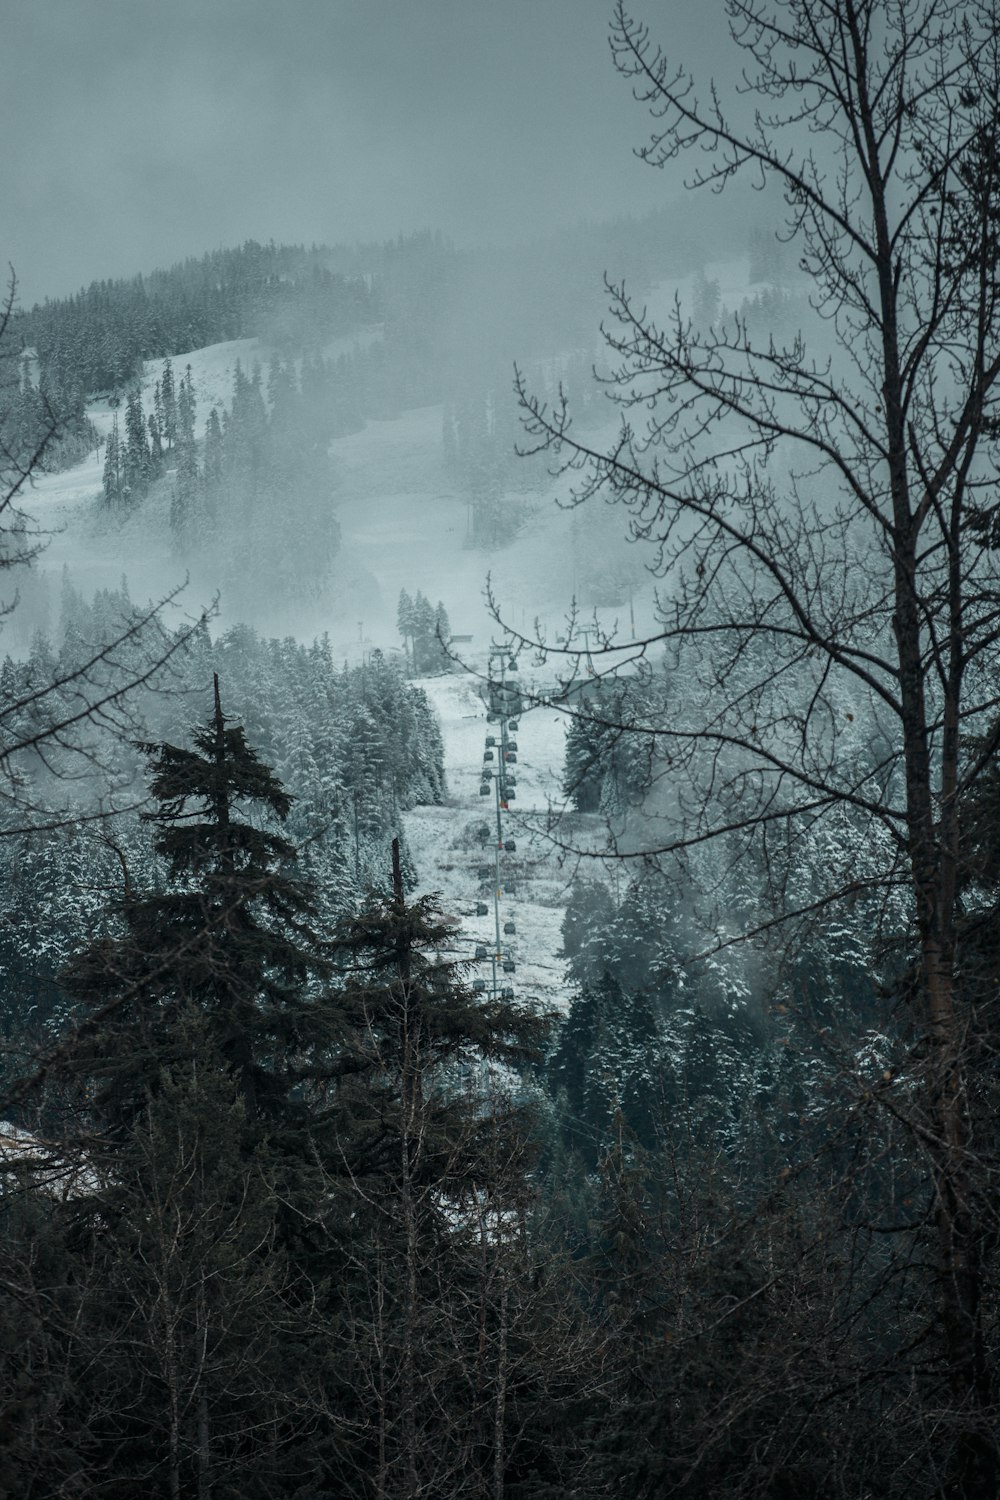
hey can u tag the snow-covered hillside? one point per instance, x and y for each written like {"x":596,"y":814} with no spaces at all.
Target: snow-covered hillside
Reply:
{"x":403,"y":526}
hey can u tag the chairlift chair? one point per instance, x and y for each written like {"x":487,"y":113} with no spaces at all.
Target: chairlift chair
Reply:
{"x":482,"y":910}
{"x":510,"y":846}
{"x":491,"y":740}
{"x":510,"y":758}
{"x":479,"y":986}
{"x":507,"y":993}
{"x":487,"y":755}
{"x":485,"y":789}
{"x":509,"y":966}
{"x":510,"y":928}
{"x":485,"y":871}
{"x":480,"y":951}
{"x":483,"y":832}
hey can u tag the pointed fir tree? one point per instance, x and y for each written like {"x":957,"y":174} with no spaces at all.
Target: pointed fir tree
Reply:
{"x":425,"y":646}
{"x":404,"y":623}
{"x":228,"y":937}
{"x":113,"y":474}
{"x":168,"y":397}
{"x":439,"y":1177}
{"x":136,"y":455}
{"x":442,"y":635}
{"x":155,"y":440}
{"x":186,"y":484}
{"x":588,"y":745}
{"x":213,"y":450}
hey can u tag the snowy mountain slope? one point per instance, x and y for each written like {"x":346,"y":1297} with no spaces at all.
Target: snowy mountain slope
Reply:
{"x":403,"y":526}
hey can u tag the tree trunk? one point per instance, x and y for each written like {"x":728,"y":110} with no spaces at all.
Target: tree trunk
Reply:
{"x":500,"y":1399}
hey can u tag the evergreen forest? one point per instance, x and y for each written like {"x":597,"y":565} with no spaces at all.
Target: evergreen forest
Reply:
{"x":296,"y":1204}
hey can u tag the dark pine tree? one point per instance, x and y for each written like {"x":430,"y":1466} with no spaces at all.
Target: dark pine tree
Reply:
{"x":213,"y":449}
{"x":114,"y":479}
{"x":437,"y":1154}
{"x":227,"y":937}
{"x":186,"y":485}
{"x":136,"y":455}
{"x":168,"y":396}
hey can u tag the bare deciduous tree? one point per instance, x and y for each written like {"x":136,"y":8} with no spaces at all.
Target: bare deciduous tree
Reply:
{"x":825,"y":517}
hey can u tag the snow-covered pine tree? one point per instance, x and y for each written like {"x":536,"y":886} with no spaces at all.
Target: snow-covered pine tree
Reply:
{"x":113,"y":478}
{"x":168,"y":396}
{"x":186,"y":482}
{"x":213,"y":450}
{"x":136,"y":460}
{"x":405,"y":623}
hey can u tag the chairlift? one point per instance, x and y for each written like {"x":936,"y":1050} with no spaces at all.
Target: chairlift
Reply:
{"x":512,"y":665}
{"x":509,"y":966}
{"x":511,"y":744}
{"x":491,"y":740}
{"x":482,"y":910}
{"x":504,"y":699}
{"x":514,"y":725}
{"x":512,"y":781}
{"x":485,"y":872}
{"x":485,"y":789}
{"x":510,"y":758}
{"x":479,"y":986}
{"x":480,"y":951}
{"x":510,"y":889}
{"x":510,"y":846}
{"x":487,"y":755}
{"x":511,"y":796}
{"x":510,"y":928}
{"x":507,"y":993}
{"x":483,"y":833}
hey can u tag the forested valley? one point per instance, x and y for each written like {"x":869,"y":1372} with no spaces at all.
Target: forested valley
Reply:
{"x":500,"y":830}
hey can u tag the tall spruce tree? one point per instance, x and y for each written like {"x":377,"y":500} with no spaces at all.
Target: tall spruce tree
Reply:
{"x":186,"y":484}
{"x":228,"y":936}
{"x":136,"y":455}
{"x":113,"y":471}
{"x":168,"y":396}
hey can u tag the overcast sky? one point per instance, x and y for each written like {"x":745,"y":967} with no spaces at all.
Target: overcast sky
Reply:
{"x":136,"y":132}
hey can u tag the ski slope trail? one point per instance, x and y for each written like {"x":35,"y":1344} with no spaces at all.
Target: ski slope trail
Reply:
{"x":456,"y":860}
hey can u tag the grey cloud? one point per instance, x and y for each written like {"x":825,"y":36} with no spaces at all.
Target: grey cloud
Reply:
{"x":137,"y":132}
